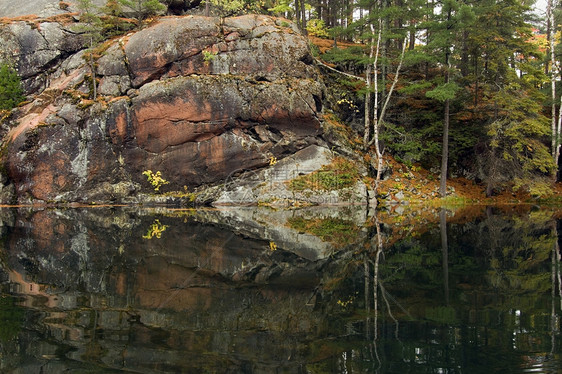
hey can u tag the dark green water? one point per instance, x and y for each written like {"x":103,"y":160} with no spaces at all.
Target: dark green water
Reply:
{"x":260,"y":291}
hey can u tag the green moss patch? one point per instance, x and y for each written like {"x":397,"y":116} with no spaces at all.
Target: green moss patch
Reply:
{"x":334,"y":230}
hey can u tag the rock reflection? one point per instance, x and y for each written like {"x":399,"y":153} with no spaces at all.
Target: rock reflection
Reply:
{"x":248,"y":290}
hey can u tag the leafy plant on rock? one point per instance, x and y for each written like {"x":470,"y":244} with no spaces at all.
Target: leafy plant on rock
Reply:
{"x":155,"y":179}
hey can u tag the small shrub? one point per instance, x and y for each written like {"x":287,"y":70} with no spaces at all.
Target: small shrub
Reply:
{"x":208,"y":56}
{"x":11,"y":92}
{"x":317,"y":27}
{"x":155,"y":179}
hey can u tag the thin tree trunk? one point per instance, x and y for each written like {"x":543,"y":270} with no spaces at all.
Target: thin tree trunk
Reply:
{"x":374,"y":53}
{"x":394,"y":81}
{"x":445,"y":153}
{"x":298,"y":14}
{"x":445,"y":150}
{"x":367,"y":119}
{"x":558,"y":132}
{"x":349,"y":17}
{"x":548,"y":29}
{"x":464,"y":57}
{"x":378,"y":120}
{"x":550,"y":14}
{"x":412,"y":35}
{"x":476,"y":81}
{"x":303,"y":17}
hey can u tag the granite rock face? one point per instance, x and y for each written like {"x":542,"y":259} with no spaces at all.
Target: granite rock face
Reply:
{"x":199,"y":99}
{"x":37,"y":48}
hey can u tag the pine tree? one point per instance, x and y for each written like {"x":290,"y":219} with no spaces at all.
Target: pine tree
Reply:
{"x":506,"y":96}
{"x":444,"y":32}
{"x":11,"y":92}
{"x":91,"y":28}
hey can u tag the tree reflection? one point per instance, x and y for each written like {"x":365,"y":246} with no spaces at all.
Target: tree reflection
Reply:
{"x":468,"y":297}
{"x":441,"y":294}
{"x":445,"y":250}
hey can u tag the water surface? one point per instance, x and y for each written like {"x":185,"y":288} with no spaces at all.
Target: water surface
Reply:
{"x":260,"y":291}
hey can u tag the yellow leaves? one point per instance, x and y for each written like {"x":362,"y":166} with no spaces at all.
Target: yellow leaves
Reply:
{"x":155,"y":230}
{"x":345,"y":303}
{"x":348,"y":103}
{"x":155,"y":179}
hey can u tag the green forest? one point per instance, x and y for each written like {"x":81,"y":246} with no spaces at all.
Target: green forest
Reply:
{"x":467,"y":87}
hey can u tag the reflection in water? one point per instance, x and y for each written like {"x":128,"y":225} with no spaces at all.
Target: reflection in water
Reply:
{"x":445,"y":250}
{"x":262,"y":291}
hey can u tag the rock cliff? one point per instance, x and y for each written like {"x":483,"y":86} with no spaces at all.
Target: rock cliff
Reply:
{"x":202,"y":100}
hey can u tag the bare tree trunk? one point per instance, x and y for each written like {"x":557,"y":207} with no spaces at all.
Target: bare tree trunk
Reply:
{"x":349,"y":17}
{"x":303,"y":18}
{"x":445,"y":151}
{"x":555,"y":134}
{"x":379,"y":119}
{"x":558,"y":132}
{"x":374,"y":53}
{"x":367,"y":119}
{"x":298,"y":14}
{"x":412,"y":36}
{"x":394,"y":81}
{"x":446,"y":119}
{"x":476,"y":81}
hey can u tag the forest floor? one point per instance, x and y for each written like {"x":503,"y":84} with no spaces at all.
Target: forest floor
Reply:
{"x":418,"y":185}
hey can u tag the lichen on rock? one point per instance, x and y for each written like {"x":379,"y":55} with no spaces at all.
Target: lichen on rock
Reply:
{"x":162,"y":107}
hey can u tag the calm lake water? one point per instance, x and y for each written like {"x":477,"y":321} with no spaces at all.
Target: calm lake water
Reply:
{"x":254,"y":290}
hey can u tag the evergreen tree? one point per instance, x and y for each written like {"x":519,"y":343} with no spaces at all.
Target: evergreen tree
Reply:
{"x":444,"y":31}
{"x":91,"y":28}
{"x":11,"y":92}
{"x":507,"y":95}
